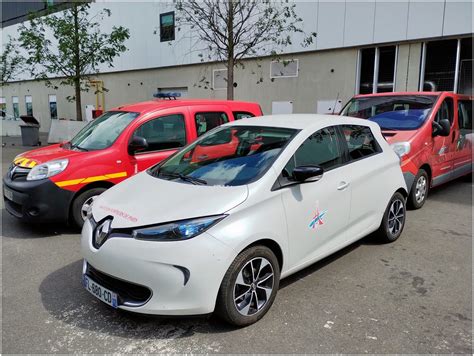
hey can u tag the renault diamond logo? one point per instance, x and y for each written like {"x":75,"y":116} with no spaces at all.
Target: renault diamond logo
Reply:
{"x":102,"y":232}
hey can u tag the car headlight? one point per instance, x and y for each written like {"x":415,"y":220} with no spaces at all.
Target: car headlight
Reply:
{"x":48,"y":169}
{"x":401,"y":148}
{"x":177,"y":231}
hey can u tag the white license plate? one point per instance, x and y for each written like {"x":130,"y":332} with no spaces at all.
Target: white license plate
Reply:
{"x":7,"y":193}
{"x":102,"y":293}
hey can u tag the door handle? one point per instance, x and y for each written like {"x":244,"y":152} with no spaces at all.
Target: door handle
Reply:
{"x":454,"y":136}
{"x":342,"y":186}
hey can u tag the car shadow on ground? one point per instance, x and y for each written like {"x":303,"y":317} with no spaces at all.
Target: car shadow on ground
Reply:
{"x":18,"y":229}
{"x":67,"y":301}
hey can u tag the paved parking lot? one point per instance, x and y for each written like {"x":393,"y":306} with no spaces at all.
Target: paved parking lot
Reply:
{"x":413,"y":296}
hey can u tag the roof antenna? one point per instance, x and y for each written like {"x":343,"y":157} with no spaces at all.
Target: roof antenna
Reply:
{"x":334,"y":107}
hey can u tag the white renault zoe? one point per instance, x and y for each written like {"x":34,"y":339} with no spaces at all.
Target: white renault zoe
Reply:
{"x":217,"y":225}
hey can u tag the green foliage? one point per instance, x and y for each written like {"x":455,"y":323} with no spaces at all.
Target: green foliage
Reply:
{"x":11,"y":61}
{"x":70,"y":45}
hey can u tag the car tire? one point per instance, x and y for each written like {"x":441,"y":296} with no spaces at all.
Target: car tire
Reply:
{"x":419,"y":190}
{"x":241,"y":292}
{"x":393,"y":220}
{"x":80,"y":202}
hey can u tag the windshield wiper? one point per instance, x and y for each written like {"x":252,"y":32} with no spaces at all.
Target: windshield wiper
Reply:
{"x":183,"y":177}
{"x":79,"y":148}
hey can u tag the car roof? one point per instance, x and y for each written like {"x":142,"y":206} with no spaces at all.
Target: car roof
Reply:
{"x":152,"y":105}
{"x":417,"y":93}
{"x":301,"y":121}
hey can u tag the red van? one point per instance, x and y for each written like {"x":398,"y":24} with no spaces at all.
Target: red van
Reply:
{"x":59,"y":182}
{"x":430,"y":131}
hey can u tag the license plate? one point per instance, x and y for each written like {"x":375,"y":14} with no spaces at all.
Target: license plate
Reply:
{"x":102,"y":293}
{"x":7,"y":193}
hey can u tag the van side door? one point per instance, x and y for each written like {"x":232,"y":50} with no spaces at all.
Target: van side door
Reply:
{"x":464,"y":138}
{"x":442,"y":147}
{"x":165,"y":134}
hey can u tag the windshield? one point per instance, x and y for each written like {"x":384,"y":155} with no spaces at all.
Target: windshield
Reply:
{"x":395,"y":112}
{"x":229,"y":156}
{"x":103,"y":131}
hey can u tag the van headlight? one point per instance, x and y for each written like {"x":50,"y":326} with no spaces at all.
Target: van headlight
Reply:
{"x":401,"y":148}
{"x":177,"y":231}
{"x":48,"y":169}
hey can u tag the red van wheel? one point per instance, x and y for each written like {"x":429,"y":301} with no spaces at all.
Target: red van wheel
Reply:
{"x":419,"y":190}
{"x":82,"y":203}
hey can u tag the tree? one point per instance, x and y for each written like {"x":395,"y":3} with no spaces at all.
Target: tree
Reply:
{"x":232,"y":30}
{"x":11,"y":63}
{"x":78,"y":49}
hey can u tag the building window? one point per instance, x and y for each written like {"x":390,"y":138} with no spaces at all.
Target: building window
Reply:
{"x":53,"y":107}
{"x":167,"y":27}
{"x":377,"y":68}
{"x":465,"y":67}
{"x":440,"y":65}
{"x":3,"y":105}
{"x":219,"y":79}
{"x":29,"y":105}
{"x":16,"y":108}
{"x":284,"y":69}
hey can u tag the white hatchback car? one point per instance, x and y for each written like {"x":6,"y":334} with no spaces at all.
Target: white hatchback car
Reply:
{"x":219,"y":223}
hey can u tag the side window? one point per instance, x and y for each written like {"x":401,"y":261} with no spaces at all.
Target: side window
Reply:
{"x":206,"y":121}
{"x":239,"y":115}
{"x":465,"y":115}
{"x":360,"y":141}
{"x":445,"y":111}
{"x":321,"y":148}
{"x":163,"y":133}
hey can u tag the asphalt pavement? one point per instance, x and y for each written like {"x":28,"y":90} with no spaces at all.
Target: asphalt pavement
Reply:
{"x":412,"y":296}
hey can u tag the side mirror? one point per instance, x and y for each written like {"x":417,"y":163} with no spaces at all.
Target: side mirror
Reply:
{"x":441,"y":128}
{"x":137,"y":144}
{"x":304,"y":173}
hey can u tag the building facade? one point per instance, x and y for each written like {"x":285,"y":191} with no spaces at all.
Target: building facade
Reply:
{"x":361,"y":47}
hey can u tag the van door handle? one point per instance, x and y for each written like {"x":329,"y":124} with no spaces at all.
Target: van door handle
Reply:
{"x":342,"y":186}
{"x":454,"y":136}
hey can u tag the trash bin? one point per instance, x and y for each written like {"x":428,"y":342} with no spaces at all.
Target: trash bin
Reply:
{"x":30,"y":131}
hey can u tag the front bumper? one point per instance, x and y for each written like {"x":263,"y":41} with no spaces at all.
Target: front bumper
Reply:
{"x":183,"y":277}
{"x":36,"y":201}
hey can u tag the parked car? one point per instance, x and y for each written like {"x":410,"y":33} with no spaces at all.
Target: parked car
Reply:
{"x":215,"y":228}
{"x":58,"y":182}
{"x":430,"y":131}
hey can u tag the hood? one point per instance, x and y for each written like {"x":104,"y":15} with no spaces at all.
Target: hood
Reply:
{"x":32,"y":158}
{"x":398,"y":136}
{"x":146,"y":200}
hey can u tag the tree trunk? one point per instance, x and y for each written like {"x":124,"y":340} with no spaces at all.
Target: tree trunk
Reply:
{"x":77,"y":89}
{"x":230,"y":52}
{"x":77,"y":59}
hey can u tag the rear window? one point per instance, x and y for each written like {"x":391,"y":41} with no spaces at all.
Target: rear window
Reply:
{"x":206,"y":121}
{"x":239,"y":115}
{"x":360,"y":141}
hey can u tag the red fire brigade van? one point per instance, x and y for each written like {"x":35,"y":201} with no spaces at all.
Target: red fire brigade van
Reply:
{"x":430,"y":131}
{"x":59,"y":182}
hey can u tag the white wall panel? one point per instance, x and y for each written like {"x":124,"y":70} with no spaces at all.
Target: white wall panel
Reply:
{"x":391,"y":19}
{"x":458,"y":17}
{"x":331,"y":17}
{"x":425,"y":19}
{"x":359,"y":22}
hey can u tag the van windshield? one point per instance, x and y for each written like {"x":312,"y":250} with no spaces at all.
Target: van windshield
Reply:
{"x":392,"y":112}
{"x":103,"y":131}
{"x":228,"y":156}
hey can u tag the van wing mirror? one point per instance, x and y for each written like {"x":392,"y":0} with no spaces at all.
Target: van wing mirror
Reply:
{"x":441,"y":128}
{"x":307,"y":173}
{"x":137,"y":144}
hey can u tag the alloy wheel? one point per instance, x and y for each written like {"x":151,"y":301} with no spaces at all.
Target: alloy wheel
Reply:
{"x":253,"y":286}
{"x":87,"y":206}
{"x":396,"y":217}
{"x":420,"y":189}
